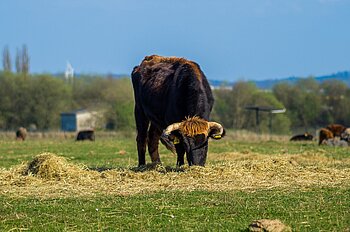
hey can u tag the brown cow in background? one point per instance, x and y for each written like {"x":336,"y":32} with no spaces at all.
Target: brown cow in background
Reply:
{"x":324,"y":135}
{"x":21,"y":133}
{"x":336,"y":129}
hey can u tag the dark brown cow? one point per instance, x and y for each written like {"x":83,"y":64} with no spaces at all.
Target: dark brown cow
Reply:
{"x":336,"y":129}
{"x":324,"y":135}
{"x":173,"y":101}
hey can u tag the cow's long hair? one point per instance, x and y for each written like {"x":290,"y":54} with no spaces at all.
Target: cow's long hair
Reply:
{"x":192,"y":126}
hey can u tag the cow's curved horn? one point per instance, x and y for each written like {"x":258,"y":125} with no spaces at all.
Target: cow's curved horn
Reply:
{"x":172,"y":127}
{"x":218,"y":127}
{"x":166,"y":134}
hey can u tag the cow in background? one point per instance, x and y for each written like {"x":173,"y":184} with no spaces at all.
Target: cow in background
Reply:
{"x":86,"y":135}
{"x":324,"y":135}
{"x":21,"y":134}
{"x":304,"y":137}
{"x":336,"y":129}
{"x":173,"y":101}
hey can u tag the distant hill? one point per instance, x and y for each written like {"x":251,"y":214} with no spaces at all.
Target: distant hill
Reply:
{"x":268,"y":84}
{"x":343,"y":76}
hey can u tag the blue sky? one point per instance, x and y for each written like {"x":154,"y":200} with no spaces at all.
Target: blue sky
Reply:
{"x":231,"y":40}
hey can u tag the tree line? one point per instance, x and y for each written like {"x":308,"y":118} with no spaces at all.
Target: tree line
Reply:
{"x":309,"y":105}
{"x":37,"y":101}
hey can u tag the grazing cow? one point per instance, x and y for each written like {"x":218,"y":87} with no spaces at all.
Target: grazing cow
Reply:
{"x":324,"y":135}
{"x":86,"y":135}
{"x":336,"y":129}
{"x":173,"y":101}
{"x":21,"y":133}
{"x":304,"y":137}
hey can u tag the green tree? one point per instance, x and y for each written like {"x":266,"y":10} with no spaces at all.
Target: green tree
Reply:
{"x":241,"y":97}
{"x":112,"y":96}
{"x":18,"y":61}
{"x":302,"y":101}
{"x":14,"y":100}
{"x":222,"y":111}
{"x":277,"y":123}
{"x":8,"y":98}
{"x":124,"y":104}
{"x":230,"y":108}
{"x":49,"y":97}
{"x":25,"y":60}
{"x":22,"y":60}
{"x":6,"y":60}
{"x":336,"y":101}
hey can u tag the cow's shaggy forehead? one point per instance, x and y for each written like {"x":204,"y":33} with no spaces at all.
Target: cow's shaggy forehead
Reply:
{"x":193,"y":126}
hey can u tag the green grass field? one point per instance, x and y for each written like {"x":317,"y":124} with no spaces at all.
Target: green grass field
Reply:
{"x":305,"y":186}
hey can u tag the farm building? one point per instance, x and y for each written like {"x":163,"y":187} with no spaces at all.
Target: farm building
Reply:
{"x":79,"y":120}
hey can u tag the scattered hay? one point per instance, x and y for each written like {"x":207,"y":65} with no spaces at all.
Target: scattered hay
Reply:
{"x":49,"y":175}
{"x":266,"y":225}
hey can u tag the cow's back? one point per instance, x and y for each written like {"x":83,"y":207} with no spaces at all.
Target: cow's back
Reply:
{"x":168,"y":89}
{"x":336,"y":129}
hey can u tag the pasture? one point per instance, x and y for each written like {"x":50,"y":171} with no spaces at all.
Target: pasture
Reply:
{"x":96,"y":186}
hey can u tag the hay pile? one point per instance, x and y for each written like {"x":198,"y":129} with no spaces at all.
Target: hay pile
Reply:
{"x":49,"y":175}
{"x":49,"y":166}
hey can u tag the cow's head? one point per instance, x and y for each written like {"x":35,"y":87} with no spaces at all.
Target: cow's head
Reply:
{"x":308,"y":136}
{"x":193,"y":134}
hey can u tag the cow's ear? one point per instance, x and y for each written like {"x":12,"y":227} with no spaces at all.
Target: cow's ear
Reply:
{"x":216,"y":131}
{"x":170,"y":138}
{"x":175,"y":137}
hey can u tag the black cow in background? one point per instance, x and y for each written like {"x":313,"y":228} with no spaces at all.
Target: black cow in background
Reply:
{"x":303,"y":137}
{"x":86,"y":135}
{"x":173,"y":101}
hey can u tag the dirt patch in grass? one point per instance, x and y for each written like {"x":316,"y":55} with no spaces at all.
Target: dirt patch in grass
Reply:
{"x":49,"y":175}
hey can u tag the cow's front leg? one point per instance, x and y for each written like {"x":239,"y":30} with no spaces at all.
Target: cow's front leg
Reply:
{"x":180,"y":151}
{"x":153,"y":141}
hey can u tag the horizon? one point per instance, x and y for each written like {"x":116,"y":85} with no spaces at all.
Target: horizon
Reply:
{"x":230,"y":40}
{"x":122,"y":75}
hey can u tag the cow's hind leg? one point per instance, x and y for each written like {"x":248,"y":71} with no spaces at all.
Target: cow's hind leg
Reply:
{"x":142,"y":126}
{"x":153,"y":142}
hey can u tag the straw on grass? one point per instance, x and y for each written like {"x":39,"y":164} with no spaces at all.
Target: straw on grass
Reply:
{"x":49,"y":175}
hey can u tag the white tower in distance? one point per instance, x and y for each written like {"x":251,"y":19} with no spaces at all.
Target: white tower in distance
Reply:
{"x":69,"y":73}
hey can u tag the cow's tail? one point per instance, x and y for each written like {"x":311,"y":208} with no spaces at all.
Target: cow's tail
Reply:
{"x":168,"y":144}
